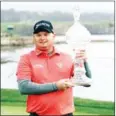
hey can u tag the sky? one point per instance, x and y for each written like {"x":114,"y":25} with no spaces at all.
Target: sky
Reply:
{"x":107,"y":7}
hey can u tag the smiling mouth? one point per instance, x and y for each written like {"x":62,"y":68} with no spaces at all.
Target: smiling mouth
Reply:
{"x":42,"y":42}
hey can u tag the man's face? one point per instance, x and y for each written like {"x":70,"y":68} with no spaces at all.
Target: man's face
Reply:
{"x":43,"y":40}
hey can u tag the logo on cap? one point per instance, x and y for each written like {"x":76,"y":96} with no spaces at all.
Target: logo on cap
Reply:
{"x":42,"y":24}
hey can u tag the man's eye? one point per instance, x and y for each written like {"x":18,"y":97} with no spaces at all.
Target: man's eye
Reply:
{"x":38,"y":35}
{"x":45,"y":34}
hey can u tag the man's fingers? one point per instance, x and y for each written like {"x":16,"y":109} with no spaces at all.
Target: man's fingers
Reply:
{"x":69,"y":84}
{"x":63,"y":84}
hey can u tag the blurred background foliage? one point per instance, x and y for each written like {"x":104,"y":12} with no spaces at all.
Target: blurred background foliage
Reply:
{"x":23,"y":21}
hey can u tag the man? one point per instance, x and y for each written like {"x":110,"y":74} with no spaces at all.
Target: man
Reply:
{"x":44,"y":75}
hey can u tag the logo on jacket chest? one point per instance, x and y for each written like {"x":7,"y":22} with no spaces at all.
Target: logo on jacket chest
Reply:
{"x":38,"y":66}
{"x":59,"y":65}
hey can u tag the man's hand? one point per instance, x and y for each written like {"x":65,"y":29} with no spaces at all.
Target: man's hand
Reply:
{"x":64,"y":84}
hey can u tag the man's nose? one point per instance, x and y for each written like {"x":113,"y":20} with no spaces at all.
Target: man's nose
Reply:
{"x":43,"y":37}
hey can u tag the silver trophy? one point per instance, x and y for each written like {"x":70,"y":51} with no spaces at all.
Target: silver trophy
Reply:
{"x":78,"y":37}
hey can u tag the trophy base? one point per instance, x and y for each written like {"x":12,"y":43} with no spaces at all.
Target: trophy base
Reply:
{"x":82,"y":84}
{"x":81,"y":81}
{"x":86,"y":85}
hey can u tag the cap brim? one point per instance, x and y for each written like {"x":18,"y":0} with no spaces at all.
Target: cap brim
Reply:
{"x":43,"y":30}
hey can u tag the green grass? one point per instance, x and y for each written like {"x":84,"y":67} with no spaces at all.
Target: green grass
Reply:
{"x":13,"y":103}
{"x":13,"y":110}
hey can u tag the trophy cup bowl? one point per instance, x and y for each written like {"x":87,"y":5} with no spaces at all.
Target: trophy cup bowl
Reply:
{"x":78,"y":37}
